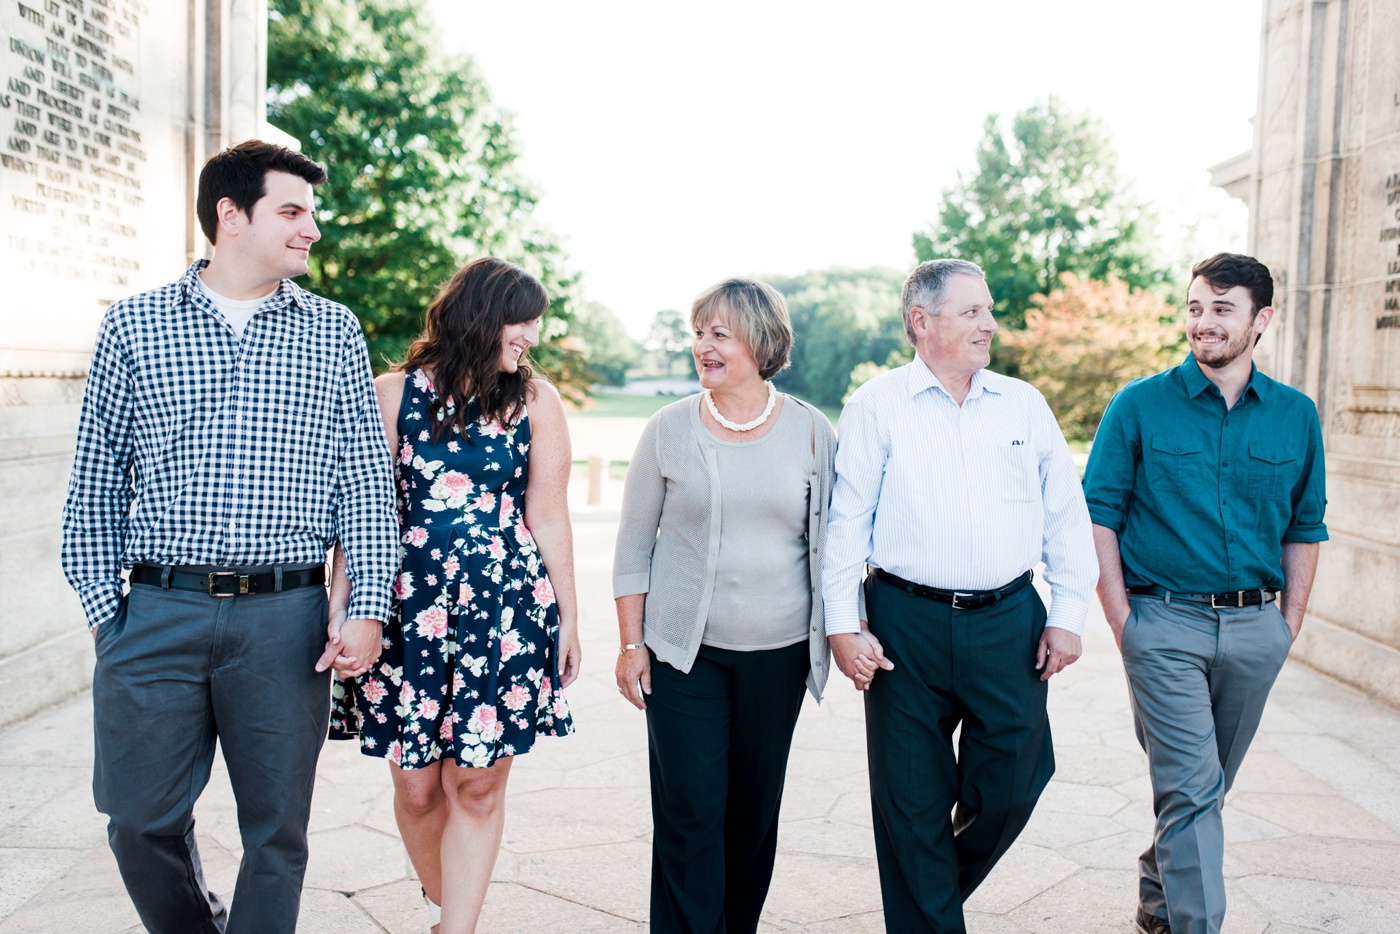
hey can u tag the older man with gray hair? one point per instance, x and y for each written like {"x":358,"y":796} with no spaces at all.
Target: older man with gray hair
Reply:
{"x":952,"y":483}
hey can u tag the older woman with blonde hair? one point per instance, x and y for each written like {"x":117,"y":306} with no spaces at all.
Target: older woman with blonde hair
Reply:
{"x":718,"y":587}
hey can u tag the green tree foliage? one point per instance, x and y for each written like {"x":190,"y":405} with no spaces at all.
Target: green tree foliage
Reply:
{"x":423,"y":169}
{"x":1046,"y":199}
{"x":669,"y":340}
{"x":1085,"y":340}
{"x":604,"y":341}
{"x":841,"y":318}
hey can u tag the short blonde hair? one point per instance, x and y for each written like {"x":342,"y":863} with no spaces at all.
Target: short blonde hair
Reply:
{"x":758,"y":315}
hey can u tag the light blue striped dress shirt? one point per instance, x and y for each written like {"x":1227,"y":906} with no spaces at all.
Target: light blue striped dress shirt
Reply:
{"x":963,"y":497}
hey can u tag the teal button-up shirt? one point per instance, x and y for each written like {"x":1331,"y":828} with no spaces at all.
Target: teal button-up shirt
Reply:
{"x":1202,"y":497}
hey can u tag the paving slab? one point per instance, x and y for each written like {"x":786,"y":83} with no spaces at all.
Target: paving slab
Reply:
{"x":1312,"y":826}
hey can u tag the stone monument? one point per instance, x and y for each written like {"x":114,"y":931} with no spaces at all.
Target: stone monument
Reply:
{"x":1323,"y":186}
{"x":108,"y":108}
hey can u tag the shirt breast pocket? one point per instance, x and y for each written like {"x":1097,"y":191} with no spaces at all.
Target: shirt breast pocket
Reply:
{"x":1174,"y":463}
{"x":1019,"y":473}
{"x":1272,"y":470}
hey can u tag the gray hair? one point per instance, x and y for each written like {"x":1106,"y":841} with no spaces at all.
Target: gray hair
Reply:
{"x":758,"y":314}
{"x":927,"y":284}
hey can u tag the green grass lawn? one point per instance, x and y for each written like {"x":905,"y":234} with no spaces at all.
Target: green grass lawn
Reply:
{"x":612,"y":404}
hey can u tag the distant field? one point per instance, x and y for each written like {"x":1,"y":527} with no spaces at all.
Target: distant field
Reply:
{"x":608,"y":404}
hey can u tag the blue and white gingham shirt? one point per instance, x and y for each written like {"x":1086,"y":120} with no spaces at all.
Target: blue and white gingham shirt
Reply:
{"x":198,"y":448}
{"x":963,"y":497}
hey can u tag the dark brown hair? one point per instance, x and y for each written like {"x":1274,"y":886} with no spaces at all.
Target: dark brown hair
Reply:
{"x":461,"y":342}
{"x":239,"y":173}
{"x":1224,"y":271}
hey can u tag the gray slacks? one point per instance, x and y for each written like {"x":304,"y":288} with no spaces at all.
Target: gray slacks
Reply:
{"x":176,"y":671}
{"x":1198,"y":679}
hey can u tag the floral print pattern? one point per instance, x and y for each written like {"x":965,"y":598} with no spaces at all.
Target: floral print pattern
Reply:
{"x":469,"y":667}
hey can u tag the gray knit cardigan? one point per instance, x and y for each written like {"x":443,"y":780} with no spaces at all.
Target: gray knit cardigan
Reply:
{"x":668,"y":541}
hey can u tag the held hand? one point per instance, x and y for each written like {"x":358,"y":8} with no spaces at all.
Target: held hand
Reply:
{"x":359,"y":643}
{"x":1058,"y":649}
{"x":570,"y":655}
{"x":634,"y":676}
{"x":333,"y":627}
{"x":859,"y":655}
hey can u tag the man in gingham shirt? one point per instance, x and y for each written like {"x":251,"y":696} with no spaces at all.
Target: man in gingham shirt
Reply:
{"x":229,"y":435}
{"x":952,"y":483}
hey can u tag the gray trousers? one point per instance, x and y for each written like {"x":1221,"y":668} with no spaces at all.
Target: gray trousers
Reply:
{"x":1198,"y":679}
{"x":176,"y":671}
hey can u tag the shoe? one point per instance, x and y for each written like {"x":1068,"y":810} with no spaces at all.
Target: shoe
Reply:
{"x":1151,"y":924}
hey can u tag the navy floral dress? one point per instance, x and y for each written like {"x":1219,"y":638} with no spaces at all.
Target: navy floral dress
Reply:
{"x":469,"y":667}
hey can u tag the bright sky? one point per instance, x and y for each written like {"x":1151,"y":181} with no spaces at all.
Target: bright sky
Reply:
{"x":677,"y":143}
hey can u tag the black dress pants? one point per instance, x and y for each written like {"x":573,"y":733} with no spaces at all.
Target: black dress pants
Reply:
{"x":943,"y":820}
{"x":718,"y":738}
{"x":177,"y":671}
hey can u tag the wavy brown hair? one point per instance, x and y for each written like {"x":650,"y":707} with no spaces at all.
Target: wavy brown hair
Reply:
{"x":461,"y":343}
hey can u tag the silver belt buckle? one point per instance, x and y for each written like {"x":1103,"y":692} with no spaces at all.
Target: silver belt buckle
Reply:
{"x":958,"y":606}
{"x":216,"y":576}
{"x":1239,"y":602}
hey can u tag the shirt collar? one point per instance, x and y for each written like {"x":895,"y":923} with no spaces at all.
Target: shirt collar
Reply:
{"x":1196,"y":381}
{"x":289,"y":295}
{"x":921,"y":378}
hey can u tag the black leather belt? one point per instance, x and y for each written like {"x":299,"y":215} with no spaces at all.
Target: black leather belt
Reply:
{"x":957,"y":599}
{"x":1229,"y":600}
{"x":227,"y":583}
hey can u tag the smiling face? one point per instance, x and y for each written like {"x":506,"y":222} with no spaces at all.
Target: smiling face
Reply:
{"x":722,"y":360}
{"x":1222,"y":327}
{"x":274,"y":239}
{"x":516,"y":339}
{"x":956,"y":342}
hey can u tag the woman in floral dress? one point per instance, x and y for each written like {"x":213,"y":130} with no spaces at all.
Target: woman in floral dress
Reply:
{"x":481,"y":638}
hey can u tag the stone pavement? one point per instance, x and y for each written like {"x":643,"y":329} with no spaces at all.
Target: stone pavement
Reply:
{"x":1313,"y":824}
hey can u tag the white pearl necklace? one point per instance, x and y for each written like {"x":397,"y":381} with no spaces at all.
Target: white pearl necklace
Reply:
{"x":746,"y":426}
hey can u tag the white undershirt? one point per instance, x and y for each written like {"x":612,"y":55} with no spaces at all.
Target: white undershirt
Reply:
{"x":237,"y":312}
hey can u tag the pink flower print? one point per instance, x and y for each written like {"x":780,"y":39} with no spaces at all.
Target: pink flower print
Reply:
{"x":485,"y":502}
{"x":405,"y":453}
{"x":453,"y":446}
{"x":492,"y":429}
{"x":497,"y":548}
{"x":485,"y":724}
{"x":435,"y":554}
{"x":427,"y":710}
{"x":516,"y":698}
{"x":432,"y":622}
{"x":430,"y":580}
{"x":403,"y":586}
{"x":405,"y":694}
{"x":544,"y":592}
{"x":523,"y":536}
{"x":451,"y":566}
{"x":453,"y":487}
{"x":510,"y":645}
{"x":415,"y":536}
{"x":465,"y":594}
{"x":421,"y":381}
{"x":395,"y":753}
{"x":445,"y":730}
{"x":560,"y":708}
{"x":545,"y":687}
{"x":458,"y":683}
{"x":373,"y":690}
{"x":425,"y":435}
{"x":507,"y":505}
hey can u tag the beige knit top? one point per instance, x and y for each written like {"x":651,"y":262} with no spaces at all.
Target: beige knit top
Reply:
{"x":668,"y":543}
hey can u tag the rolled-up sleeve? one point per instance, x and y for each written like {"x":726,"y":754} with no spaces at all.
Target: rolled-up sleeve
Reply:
{"x":1108,"y":479}
{"x":643,"y":496}
{"x":1310,"y":492}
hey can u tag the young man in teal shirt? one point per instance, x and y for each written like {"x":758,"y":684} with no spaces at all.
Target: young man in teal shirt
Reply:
{"x":1206,"y":490}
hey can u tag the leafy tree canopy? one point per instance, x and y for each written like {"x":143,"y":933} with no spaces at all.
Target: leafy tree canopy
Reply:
{"x":841,"y":318}
{"x":1046,"y":199}
{"x":669,"y":339}
{"x":1084,"y":340}
{"x":610,"y":350}
{"x":423,"y":169}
